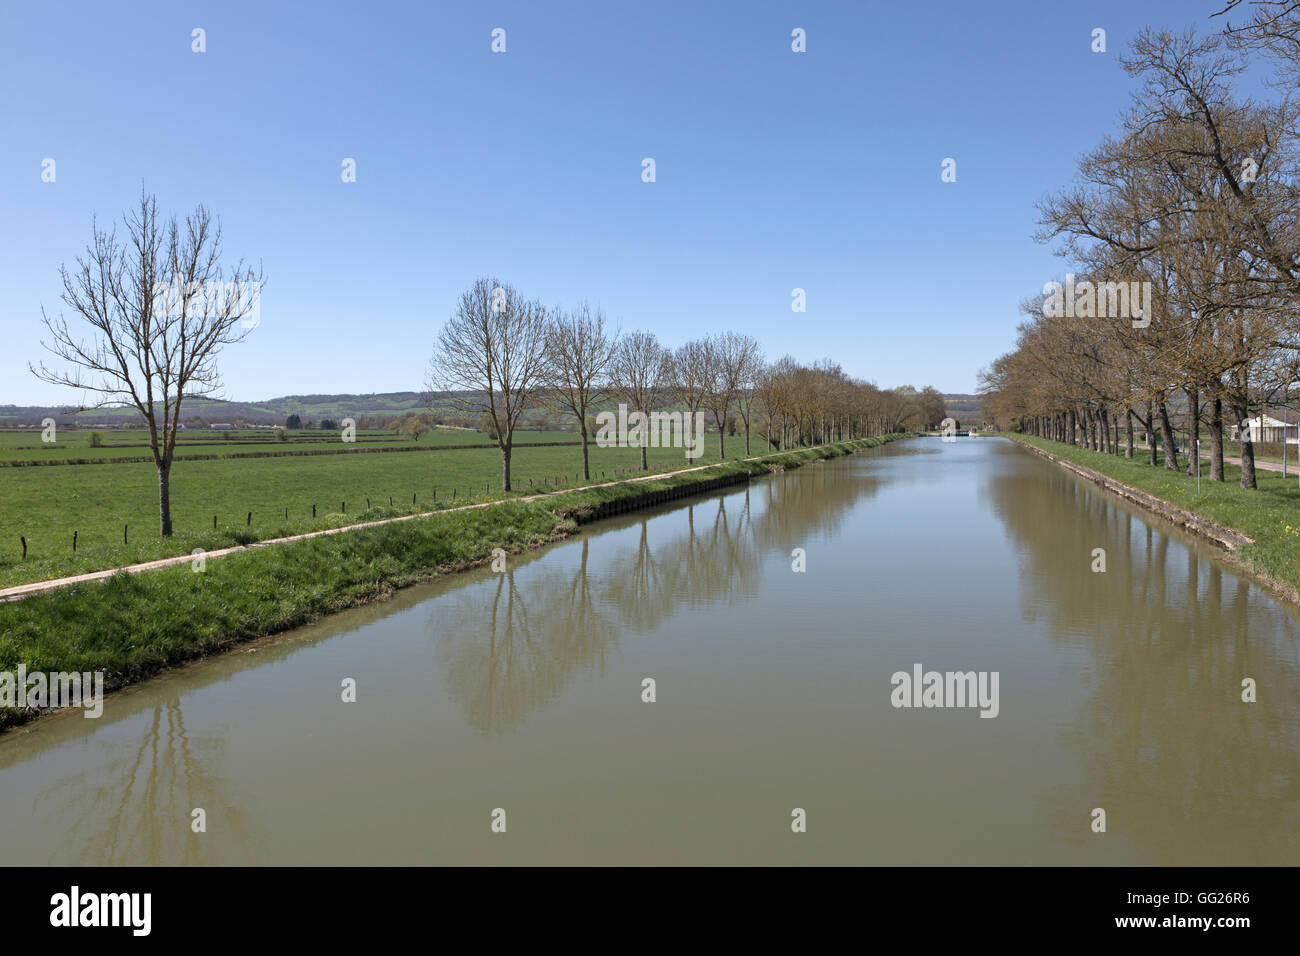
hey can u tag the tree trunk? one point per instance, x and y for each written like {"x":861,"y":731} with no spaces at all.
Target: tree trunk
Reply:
{"x":1167,"y":436}
{"x":1128,"y":433}
{"x":165,"y":498}
{"x":586,"y":464}
{"x":646,"y":467}
{"x":1247,"y":448}
{"x":505,"y":467}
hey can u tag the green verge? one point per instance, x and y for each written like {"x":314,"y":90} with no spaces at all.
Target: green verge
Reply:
{"x":131,"y":626}
{"x":1270,"y":515}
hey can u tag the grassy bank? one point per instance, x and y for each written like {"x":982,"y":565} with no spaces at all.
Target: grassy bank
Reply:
{"x":133,"y":625}
{"x":1270,"y":515}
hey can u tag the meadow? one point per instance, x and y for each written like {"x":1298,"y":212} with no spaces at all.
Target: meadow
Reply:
{"x":23,"y":445}
{"x":105,"y":503}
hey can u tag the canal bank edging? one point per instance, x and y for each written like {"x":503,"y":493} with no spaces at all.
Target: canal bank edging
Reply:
{"x":1224,"y":537}
{"x":627,"y":503}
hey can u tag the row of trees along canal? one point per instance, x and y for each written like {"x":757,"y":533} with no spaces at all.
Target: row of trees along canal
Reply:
{"x":500,"y":354}
{"x":145,"y":332}
{"x":1197,"y":194}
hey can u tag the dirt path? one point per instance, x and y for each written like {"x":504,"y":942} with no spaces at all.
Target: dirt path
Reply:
{"x":1228,"y":460}
{"x":1262,"y":465}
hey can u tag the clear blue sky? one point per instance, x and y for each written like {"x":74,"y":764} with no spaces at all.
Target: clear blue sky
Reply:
{"x":775,"y":170}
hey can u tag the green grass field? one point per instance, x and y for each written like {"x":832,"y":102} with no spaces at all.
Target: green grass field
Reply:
{"x":1270,"y":515}
{"x":26,"y":444}
{"x":46,"y":504}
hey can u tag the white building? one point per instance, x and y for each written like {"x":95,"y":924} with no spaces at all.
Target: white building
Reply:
{"x":1266,"y":428}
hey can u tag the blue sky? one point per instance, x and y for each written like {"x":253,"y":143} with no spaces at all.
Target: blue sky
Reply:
{"x":775,"y":170}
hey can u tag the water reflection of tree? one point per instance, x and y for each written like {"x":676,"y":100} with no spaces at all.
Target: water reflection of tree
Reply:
{"x":803,"y":506}
{"x":1188,"y":770}
{"x":714,"y":560}
{"x":510,"y":644}
{"x":136,"y":808}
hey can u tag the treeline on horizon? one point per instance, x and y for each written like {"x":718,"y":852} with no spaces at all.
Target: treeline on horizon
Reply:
{"x":1191,"y":208}
{"x":500,"y":355}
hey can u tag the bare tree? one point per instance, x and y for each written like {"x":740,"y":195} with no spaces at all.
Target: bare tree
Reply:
{"x":1271,"y":25}
{"x":641,"y":368}
{"x":579,"y":354}
{"x":690,"y":374}
{"x":776,"y":391}
{"x":749,"y":366}
{"x":491,"y":358}
{"x":727,"y":358}
{"x":160,"y":307}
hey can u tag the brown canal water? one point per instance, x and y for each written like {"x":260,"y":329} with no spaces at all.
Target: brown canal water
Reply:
{"x":522,"y":691}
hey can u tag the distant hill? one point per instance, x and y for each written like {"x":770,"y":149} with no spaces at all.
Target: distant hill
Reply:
{"x":964,"y":408}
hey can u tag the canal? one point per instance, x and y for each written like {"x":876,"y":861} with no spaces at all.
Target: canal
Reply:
{"x":524,"y":691}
